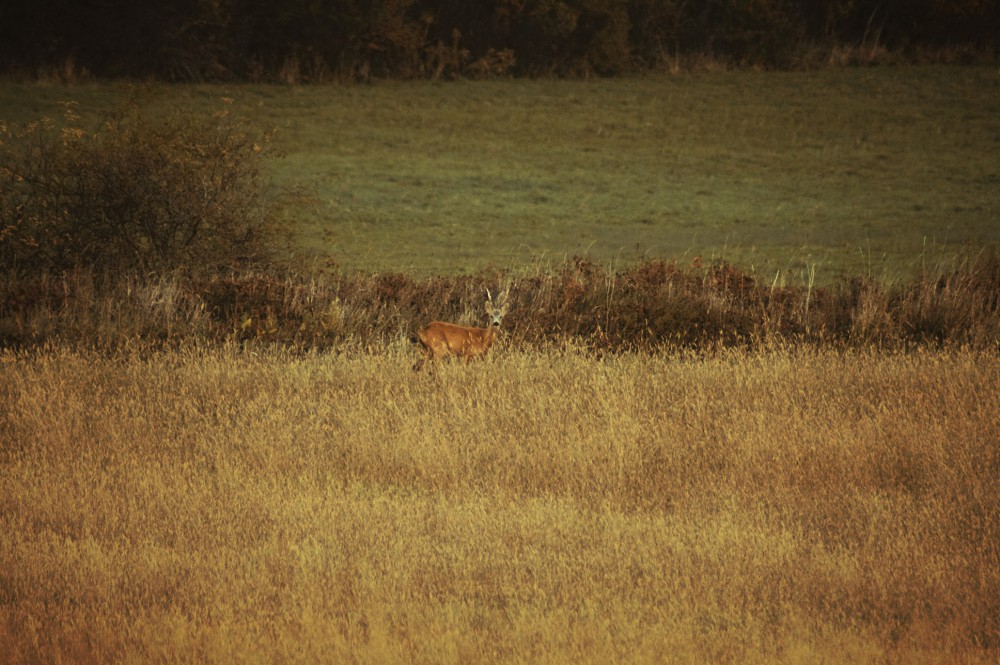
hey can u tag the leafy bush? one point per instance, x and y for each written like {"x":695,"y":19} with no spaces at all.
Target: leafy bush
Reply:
{"x":765,"y":32}
{"x":577,"y":38}
{"x":136,"y":194}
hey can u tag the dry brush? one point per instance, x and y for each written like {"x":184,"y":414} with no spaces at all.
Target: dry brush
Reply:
{"x":652,"y":305}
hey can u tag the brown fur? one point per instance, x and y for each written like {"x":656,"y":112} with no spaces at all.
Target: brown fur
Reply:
{"x":441,"y":340}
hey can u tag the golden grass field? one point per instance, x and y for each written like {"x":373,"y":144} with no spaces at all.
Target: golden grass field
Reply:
{"x":213,"y":505}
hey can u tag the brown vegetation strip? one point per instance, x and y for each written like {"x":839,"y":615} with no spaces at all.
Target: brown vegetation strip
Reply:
{"x":653,"y":305}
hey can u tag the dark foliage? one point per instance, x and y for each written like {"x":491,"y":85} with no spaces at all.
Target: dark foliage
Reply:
{"x":298,"y":41}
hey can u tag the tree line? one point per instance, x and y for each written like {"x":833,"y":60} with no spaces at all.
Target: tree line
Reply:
{"x":315,"y":40}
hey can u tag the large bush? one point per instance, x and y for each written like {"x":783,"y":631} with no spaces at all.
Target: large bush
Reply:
{"x":136,"y":194}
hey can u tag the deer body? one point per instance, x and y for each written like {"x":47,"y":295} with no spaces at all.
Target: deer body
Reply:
{"x":441,"y":340}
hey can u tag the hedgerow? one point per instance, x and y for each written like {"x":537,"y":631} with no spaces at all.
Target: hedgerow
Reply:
{"x":298,"y":41}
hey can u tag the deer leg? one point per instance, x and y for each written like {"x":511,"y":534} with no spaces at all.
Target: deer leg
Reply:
{"x":426,"y":354}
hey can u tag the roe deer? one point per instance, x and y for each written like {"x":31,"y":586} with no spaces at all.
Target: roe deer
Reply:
{"x":440,"y":340}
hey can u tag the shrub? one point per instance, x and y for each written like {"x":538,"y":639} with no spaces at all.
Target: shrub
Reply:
{"x":762,"y":32}
{"x":136,"y":194}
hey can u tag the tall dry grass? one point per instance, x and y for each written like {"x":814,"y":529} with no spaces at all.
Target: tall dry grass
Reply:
{"x":213,"y":505}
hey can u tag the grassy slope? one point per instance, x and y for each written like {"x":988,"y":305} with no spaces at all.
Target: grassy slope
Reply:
{"x":214,"y":506}
{"x":845,"y":170}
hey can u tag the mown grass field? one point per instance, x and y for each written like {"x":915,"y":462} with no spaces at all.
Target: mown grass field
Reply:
{"x":856,"y":171}
{"x":210,"y":505}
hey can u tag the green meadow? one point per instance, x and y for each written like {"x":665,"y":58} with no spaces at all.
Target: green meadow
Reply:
{"x":859,"y":171}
